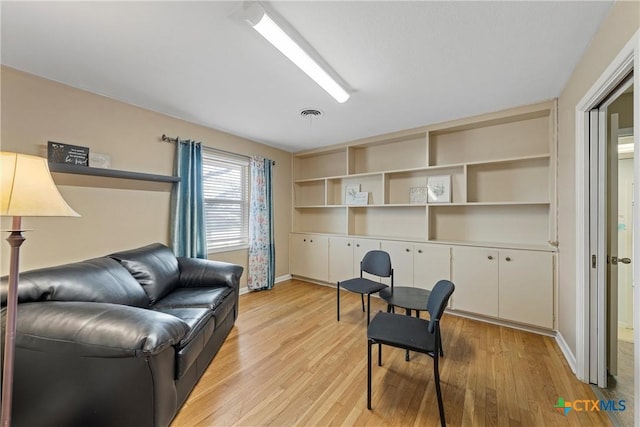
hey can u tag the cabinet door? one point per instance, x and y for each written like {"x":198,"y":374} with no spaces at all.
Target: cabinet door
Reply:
{"x":474,"y":272}
{"x":361,"y":247}
{"x":526,"y":287}
{"x":430,"y":264}
{"x":310,"y":256}
{"x":401,"y":260}
{"x":340,"y":259}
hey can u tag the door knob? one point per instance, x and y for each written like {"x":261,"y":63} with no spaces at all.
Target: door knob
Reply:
{"x":615,"y":260}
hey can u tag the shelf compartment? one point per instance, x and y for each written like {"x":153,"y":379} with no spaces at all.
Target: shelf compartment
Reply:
{"x":372,"y":183}
{"x":522,"y":137}
{"x":323,"y":220}
{"x":320,"y":165}
{"x":309,"y":193}
{"x":509,"y":181}
{"x":397,"y":222}
{"x":398,"y":184}
{"x":506,"y":224}
{"x":110,"y":173}
{"x":405,"y":153}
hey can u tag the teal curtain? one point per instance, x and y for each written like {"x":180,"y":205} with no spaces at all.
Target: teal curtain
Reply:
{"x":262,"y":256}
{"x":188,"y":233}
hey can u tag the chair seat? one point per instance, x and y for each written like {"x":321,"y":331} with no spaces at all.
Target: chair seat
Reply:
{"x":398,"y":330}
{"x":362,"y":285}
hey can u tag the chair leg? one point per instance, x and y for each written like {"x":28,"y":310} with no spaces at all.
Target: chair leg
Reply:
{"x":369,"y":374}
{"x":389,"y":308}
{"x":338,"y":301}
{"x":436,"y":376}
{"x":368,"y":308}
{"x":379,"y":354}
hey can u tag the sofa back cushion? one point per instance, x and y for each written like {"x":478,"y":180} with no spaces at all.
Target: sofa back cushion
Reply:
{"x":94,"y":280}
{"x":154,"y":266}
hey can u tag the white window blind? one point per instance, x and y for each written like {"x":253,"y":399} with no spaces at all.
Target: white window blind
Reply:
{"x":226,"y":200}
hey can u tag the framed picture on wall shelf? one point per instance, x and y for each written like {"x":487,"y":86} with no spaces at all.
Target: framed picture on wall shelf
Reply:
{"x":350,"y":194}
{"x":439,"y":189}
{"x":418,"y":195}
{"x":361,"y":198}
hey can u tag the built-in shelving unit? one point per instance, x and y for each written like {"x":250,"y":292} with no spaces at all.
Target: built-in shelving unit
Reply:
{"x":502,"y":169}
{"x":110,"y":173}
{"x":495,"y":238}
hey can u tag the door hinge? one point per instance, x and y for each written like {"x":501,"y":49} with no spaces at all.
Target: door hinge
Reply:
{"x":593,"y":261}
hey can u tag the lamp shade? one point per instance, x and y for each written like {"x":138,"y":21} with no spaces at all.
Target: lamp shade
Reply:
{"x":27,"y":188}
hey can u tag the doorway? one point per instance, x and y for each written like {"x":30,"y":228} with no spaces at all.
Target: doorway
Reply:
{"x":593,"y":357}
{"x":611,"y":237}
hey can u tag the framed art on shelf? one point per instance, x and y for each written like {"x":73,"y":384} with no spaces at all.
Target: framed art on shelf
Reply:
{"x":418,"y":195}
{"x":361,"y":198}
{"x":350,"y":194}
{"x":439,"y":189}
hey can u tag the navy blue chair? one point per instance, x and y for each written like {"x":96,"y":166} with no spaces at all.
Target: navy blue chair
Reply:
{"x":377,"y":263}
{"x":411,"y":333}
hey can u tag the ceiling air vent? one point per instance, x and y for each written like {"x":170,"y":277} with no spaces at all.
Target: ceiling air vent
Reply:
{"x":310,"y":113}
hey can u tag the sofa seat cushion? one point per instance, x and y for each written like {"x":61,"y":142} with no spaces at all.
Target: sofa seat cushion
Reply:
{"x":220,"y":300}
{"x":154,"y":267}
{"x":201,"y":326}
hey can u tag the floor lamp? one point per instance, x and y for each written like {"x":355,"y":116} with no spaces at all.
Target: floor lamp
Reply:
{"x":26,"y":189}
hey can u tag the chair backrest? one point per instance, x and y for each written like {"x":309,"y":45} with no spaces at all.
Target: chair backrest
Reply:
{"x":376,"y":262}
{"x":438,"y":301}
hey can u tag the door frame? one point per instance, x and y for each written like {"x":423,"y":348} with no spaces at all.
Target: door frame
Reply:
{"x":628,"y":59}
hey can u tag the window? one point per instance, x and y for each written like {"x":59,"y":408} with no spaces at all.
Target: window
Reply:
{"x":226,"y":200}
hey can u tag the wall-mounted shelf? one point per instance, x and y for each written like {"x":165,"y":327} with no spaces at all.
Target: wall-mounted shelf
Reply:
{"x":111,"y":173}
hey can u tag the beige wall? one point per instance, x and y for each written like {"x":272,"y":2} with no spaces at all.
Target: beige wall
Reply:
{"x":619,"y":26}
{"x":116,"y":214}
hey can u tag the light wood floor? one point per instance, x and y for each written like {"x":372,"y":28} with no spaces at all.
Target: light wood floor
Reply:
{"x":288,"y":362}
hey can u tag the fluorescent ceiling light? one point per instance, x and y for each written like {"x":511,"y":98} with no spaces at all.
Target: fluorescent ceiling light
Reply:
{"x":285,"y":44}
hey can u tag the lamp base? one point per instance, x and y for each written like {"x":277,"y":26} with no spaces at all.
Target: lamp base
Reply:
{"x":15,"y":239}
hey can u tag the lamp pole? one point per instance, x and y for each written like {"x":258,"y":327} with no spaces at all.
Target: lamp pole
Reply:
{"x":15,"y":239}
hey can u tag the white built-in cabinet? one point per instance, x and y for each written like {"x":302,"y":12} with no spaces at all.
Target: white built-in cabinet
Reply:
{"x":514,"y":285}
{"x":503,"y":197}
{"x":418,"y":264}
{"x":345,"y":254}
{"x":311,"y":256}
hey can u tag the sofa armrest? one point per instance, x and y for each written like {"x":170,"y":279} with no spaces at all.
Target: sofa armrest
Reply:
{"x":196,"y":272}
{"x":96,"y":329}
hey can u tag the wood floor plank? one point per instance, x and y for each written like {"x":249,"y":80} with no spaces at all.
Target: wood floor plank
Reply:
{"x":288,"y":362}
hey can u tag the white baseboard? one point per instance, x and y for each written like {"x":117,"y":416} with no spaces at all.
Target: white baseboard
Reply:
{"x":566,"y":351}
{"x":278,"y":279}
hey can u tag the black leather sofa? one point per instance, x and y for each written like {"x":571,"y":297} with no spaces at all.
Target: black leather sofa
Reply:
{"x":119,"y":340}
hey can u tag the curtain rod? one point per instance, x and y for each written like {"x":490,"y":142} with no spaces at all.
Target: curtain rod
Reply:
{"x":166,"y":138}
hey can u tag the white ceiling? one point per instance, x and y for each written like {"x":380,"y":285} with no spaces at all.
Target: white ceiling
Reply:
{"x":410,"y":63}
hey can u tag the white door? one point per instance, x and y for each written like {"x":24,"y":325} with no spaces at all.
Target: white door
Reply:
{"x":430,"y":264}
{"x":526,"y":287}
{"x":474,"y":271}
{"x":603,"y":230}
{"x":401,"y":254}
{"x":340,"y":259}
{"x":361,"y":247}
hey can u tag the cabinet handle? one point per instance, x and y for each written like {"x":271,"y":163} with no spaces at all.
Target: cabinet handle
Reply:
{"x":419,"y":251}
{"x":311,"y":240}
{"x":358,"y":245}
{"x":304,"y":240}
{"x":408,"y":250}
{"x":490,"y":257}
{"x":348,"y":244}
{"x":507,"y":259}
